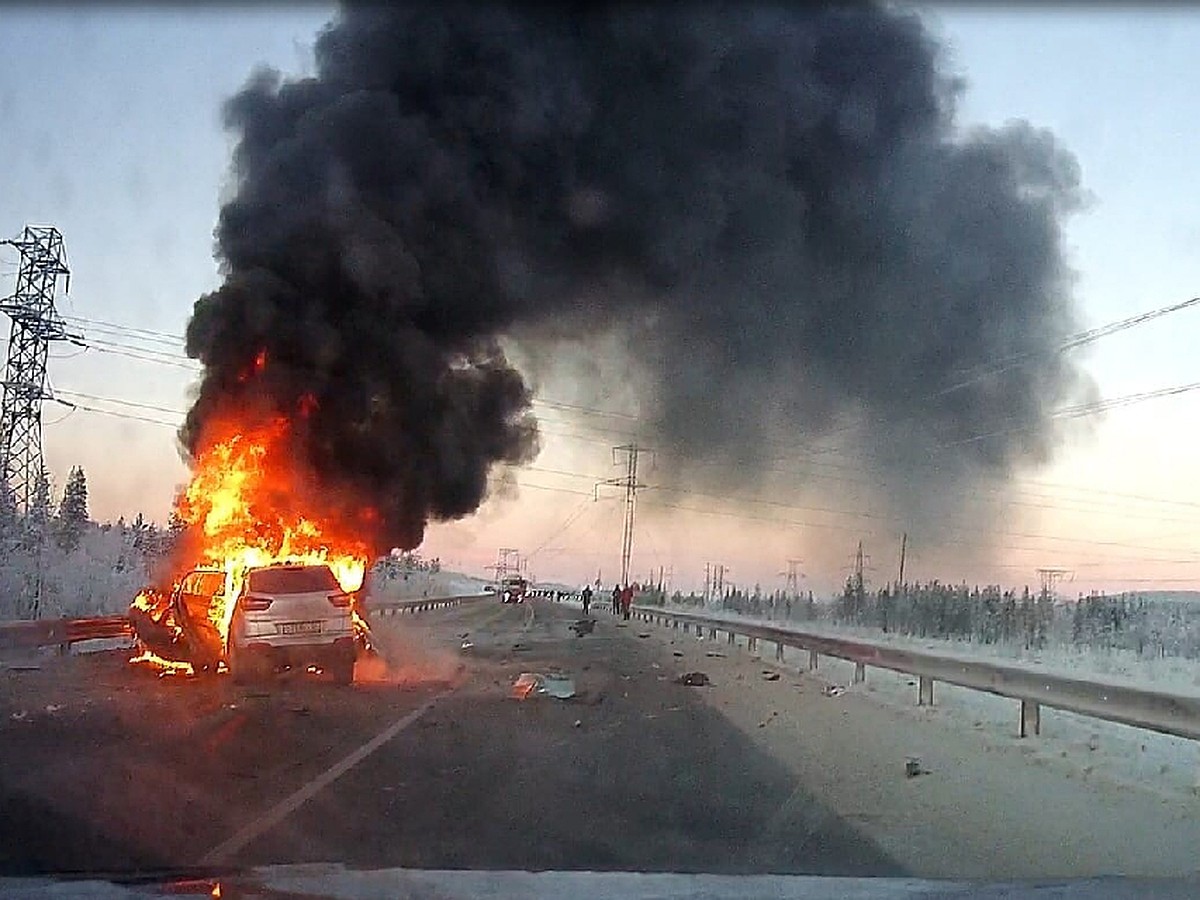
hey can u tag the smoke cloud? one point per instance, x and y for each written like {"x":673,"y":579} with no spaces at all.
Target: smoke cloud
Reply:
{"x":772,"y":209}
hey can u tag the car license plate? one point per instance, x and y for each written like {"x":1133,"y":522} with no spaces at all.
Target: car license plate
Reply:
{"x":299,"y":628}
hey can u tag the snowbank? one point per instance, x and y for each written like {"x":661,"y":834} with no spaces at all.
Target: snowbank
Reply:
{"x":416,"y":585}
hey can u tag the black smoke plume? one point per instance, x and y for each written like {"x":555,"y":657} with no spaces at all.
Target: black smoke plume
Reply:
{"x":772,"y":207}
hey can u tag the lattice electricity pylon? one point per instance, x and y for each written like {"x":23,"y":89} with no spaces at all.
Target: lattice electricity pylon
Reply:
{"x":35,"y":323}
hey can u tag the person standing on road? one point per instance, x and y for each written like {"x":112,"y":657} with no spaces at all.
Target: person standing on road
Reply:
{"x":626,"y":601}
{"x":616,"y":599}
{"x":586,"y":596}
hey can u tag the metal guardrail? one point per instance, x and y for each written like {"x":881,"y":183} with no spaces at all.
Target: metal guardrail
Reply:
{"x":551,"y":593}
{"x":1153,"y":710}
{"x":64,"y":632}
{"x":376,"y":608}
{"x":61,"y":632}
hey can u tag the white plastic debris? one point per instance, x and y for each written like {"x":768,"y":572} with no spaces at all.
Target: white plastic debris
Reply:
{"x":561,"y":687}
{"x":558,"y":686}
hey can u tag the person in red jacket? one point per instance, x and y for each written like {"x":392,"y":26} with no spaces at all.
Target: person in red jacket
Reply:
{"x":626,"y":600}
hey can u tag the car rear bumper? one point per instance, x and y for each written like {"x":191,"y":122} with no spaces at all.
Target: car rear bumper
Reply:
{"x":306,"y":653}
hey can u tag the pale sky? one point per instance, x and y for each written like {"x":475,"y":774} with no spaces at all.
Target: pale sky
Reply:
{"x":110,"y":130}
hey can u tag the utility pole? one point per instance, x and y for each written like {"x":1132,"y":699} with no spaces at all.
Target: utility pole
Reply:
{"x":718,"y":580}
{"x":35,"y":323}
{"x":508,"y":562}
{"x":791,"y":578}
{"x":903,"y":548}
{"x":859,"y":583}
{"x":631,"y":484}
{"x":1050,"y":577}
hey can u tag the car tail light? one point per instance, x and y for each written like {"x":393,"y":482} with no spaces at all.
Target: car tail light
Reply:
{"x":341,"y":599}
{"x":256,"y":604}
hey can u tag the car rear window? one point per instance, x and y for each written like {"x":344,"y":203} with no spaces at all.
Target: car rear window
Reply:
{"x":300,"y":580}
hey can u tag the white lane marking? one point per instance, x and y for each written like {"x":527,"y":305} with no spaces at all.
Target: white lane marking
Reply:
{"x":221,"y":853}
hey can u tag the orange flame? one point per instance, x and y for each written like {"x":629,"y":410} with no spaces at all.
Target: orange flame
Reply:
{"x":249,"y":505}
{"x":164,"y":667}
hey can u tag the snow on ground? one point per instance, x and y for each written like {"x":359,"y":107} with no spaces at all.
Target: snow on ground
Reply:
{"x":419,"y":584}
{"x":1165,"y":765}
{"x":99,"y":577}
{"x":990,"y":804}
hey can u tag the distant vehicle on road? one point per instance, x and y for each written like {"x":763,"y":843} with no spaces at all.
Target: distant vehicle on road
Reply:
{"x":513,"y":589}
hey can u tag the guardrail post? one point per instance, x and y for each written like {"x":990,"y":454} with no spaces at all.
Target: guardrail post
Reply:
{"x":1031,"y":718}
{"x":675,"y":624}
{"x":712,"y":634}
{"x":779,"y":651}
{"x":732,"y":638}
{"x":860,"y":672}
{"x":813,"y":657}
{"x":751,"y":644}
{"x":924,"y":691}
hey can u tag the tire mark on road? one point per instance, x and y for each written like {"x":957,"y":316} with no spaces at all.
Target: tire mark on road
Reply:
{"x":221,"y":854}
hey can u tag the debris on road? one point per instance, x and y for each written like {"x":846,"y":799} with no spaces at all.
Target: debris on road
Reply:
{"x":18,"y":716}
{"x":833,"y":690}
{"x":768,"y":675}
{"x":526,"y":684}
{"x":643,"y":634}
{"x":912,"y":767}
{"x":520,"y":648}
{"x":583,"y":626}
{"x":579,"y":723}
{"x":676,"y":653}
{"x":560,"y":687}
{"x":466,"y":645}
{"x":53,"y":707}
{"x":693,"y":679}
{"x":713,"y":654}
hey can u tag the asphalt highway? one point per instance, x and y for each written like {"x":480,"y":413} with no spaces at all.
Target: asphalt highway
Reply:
{"x":431,"y":763}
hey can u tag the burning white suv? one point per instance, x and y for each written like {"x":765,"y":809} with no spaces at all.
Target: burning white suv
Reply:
{"x":295,"y":615}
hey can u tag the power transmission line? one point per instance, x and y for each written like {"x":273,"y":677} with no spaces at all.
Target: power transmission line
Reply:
{"x":1076,"y":340}
{"x":631,"y":484}
{"x":843,"y":513}
{"x":35,"y":324}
